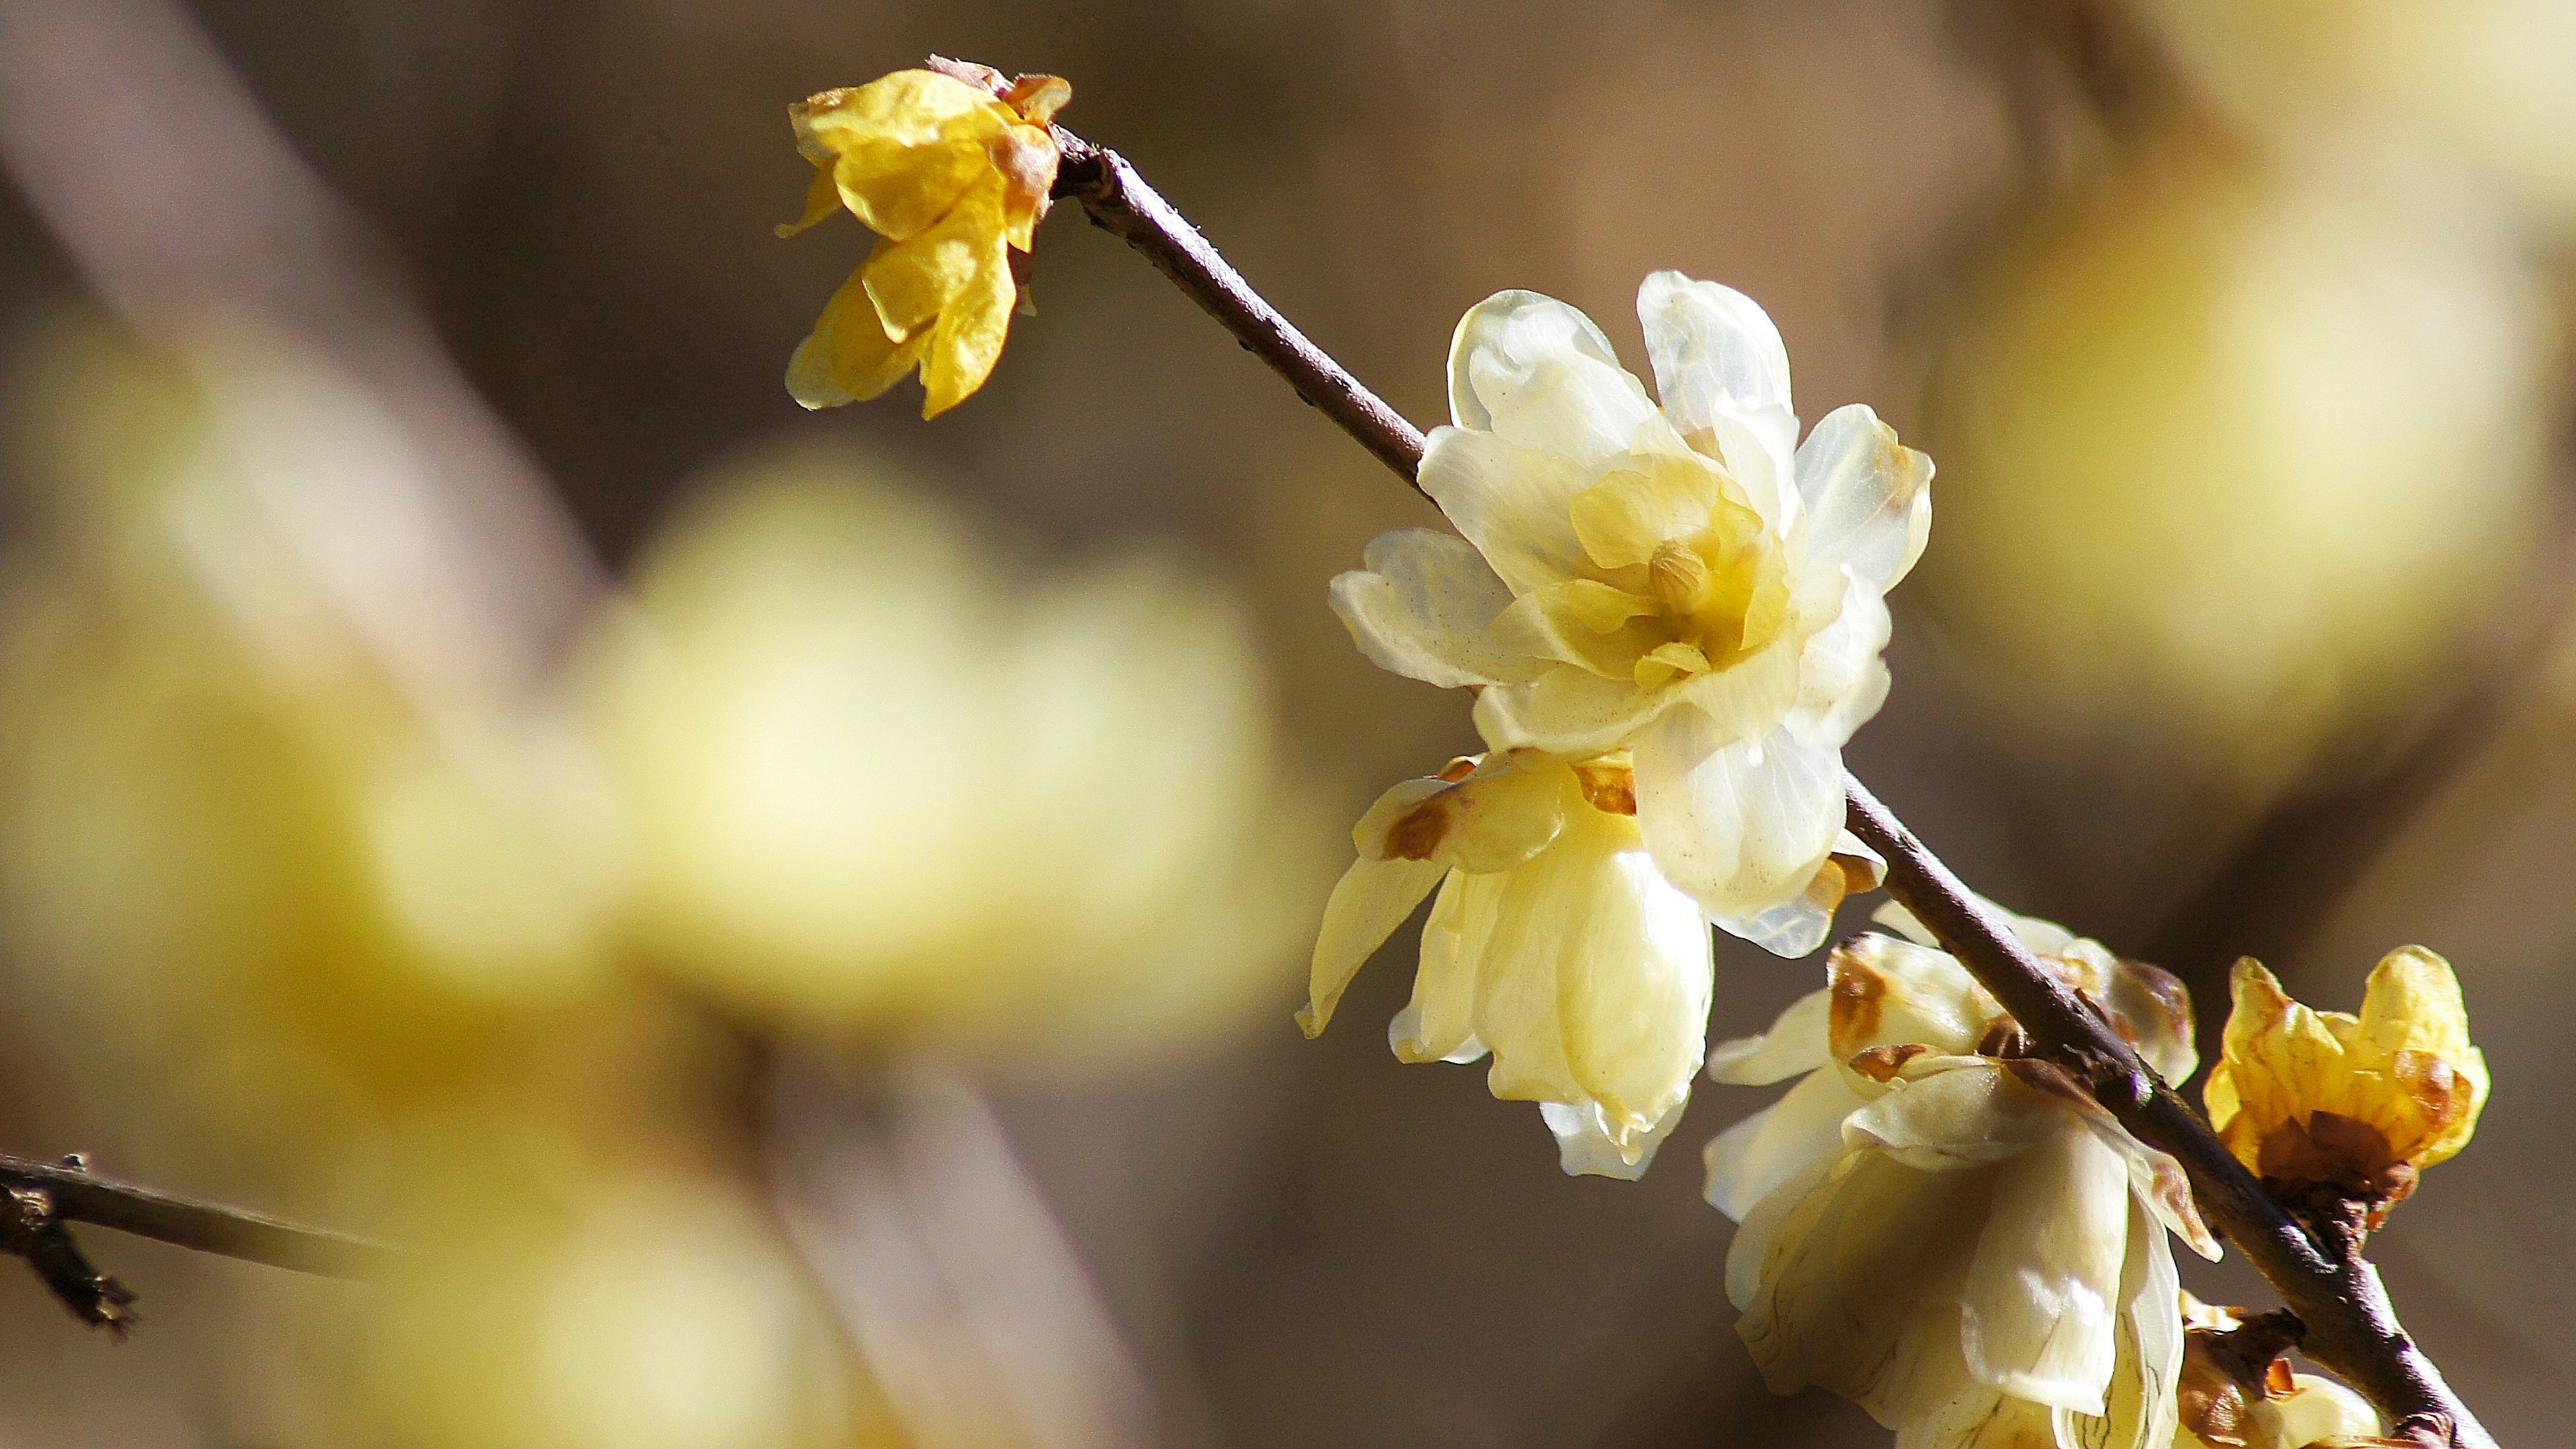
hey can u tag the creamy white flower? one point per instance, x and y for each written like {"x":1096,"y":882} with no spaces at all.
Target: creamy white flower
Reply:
{"x":1951,"y":1234}
{"x":1684,"y":581}
{"x":1555,"y":945}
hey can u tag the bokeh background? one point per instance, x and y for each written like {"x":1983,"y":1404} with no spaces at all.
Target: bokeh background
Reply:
{"x":797,"y":916}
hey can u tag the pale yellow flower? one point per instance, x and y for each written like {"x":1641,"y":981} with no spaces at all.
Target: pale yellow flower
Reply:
{"x":951,"y":177}
{"x":1555,"y":945}
{"x":1681,"y":581}
{"x":1951,"y":1234}
{"x":2226,"y":1402}
{"x":2354,"y":1105}
{"x":877,"y":782}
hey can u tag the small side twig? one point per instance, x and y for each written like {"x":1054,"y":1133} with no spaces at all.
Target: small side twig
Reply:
{"x":2350,"y":1326}
{"x":44,"y":1198}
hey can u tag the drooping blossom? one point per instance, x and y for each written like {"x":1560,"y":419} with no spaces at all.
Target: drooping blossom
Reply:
{"x":2229,"y":1400}
{"x":951,"y":177}
{"x":1685,"y":582}
{"x":1949,"y":1232}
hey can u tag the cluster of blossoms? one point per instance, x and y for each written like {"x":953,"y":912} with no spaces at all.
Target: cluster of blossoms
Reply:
{"x":1671,"y":617}
{"x":1671,"y":614}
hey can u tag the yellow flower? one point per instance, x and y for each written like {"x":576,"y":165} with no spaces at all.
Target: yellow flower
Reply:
{"x":1951,"y":1234}
{"x":2356,"y":1105}
{"x":951,"y":177}
{"x":1555,"y":945}
{"x":2230,"y":1401}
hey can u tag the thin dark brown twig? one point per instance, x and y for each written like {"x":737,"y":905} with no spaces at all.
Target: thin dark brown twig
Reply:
{"x":2351,"y":1327}
{"x":74,"y":1195}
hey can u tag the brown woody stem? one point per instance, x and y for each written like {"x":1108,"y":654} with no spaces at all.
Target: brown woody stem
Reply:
{"x":2351,"y":1329}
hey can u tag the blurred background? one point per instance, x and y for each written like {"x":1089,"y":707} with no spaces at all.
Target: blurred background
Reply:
{"x":797,"y":916}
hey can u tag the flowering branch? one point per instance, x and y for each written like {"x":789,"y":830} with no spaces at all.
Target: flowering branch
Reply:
{"x":2336,"y":1294}
{"x":44,"y":1198}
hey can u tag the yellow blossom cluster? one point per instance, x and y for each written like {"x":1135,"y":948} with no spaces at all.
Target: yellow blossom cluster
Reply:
{"x":952,"y":177}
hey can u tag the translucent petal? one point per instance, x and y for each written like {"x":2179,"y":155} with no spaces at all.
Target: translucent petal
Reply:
{"x":1439,"y":1023}
{"x":1740,"y":827}
{"x":1750,"y":1160}
{"x":1536,"y":372}
{"x":1498,"y":817}
{"x":1511,"y":502}
{"x":1795,"y":1043}
{"x":1585,"y":1147}
{"x":1567,"y":710}
{"x":1642,"y":503}
{"x":1422,"y":606}
{"x":1951,"y":1114}
{"x":1842,"y":678}
{"x":1868,"y":498}
{"x":1371,"y":900}
{"x":1714,"y":349}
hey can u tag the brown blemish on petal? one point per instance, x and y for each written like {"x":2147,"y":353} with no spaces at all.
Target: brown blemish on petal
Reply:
{"x":2004,"y":1038}
{"x":1418,"y":831}
{"x":1612,"y":788}
{"x":1882,"y":1063}
{"x":2439,"y":1092}
{"x":1457,"y":769}
{"x":1857,"y":993}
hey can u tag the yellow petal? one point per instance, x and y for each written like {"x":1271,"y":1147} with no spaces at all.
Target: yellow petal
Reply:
{"x":968,"y":340}
{"x":1631,"y":512}
{"x":903,"y":148}
{"x":914,"y":281}
{"x":822,"y":198}
{"x":848,"y":356}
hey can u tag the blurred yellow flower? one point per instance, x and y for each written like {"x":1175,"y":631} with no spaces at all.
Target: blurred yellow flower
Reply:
{"x":1947,"y":1232}
{"x":2237,"y":447}
{"x":877,"y":783}
{"x":272,"y":785}
{"x":1683,"y":581}
{"x":2354,"y":1106}
{"x":1554,"y":945}
{"x":951,"y":177}
{"x":2227,"y":1402}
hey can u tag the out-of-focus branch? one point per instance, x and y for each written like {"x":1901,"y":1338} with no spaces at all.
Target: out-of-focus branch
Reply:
{"x":42,"y":1200}
{"x":2351,"y":1327}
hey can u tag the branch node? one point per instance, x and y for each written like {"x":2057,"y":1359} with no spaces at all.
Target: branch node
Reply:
{"x":31,"y":1229}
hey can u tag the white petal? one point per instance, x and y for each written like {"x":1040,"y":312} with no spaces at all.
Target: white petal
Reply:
{"x":1515,"y":504}
{"x":1889,"y":992}
{"x":1750,"y":1160}
{"x":1795,"y":1043}
{"x":1371,"y":900}
{"x":1537,"y":372}
{"x":2037,"y":1317}
{"x":1585,"y":1147}
{"x":1568,"y":710}
{"x":1842,"y":680}
{"x":1714,"y":348}
{"x":1740,"y":827}
{"x":1751,"y":698}
{"x":1422,"y":606}
{"x":1790,"y":931}
{"x":1868,"y":497}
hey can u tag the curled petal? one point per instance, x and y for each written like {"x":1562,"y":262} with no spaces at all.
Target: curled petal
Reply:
{"x":1502,"y":814}
{"x":1586,"y":1146}
{"x":1715,"y":350}
{"x":1422,"y":607}
{"x":1537,"y":373}
{"x":1371,"y":900}
{"x":849,"y":357}
{"x":1868,"y":498}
